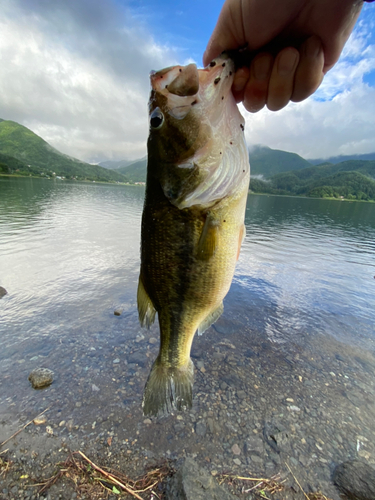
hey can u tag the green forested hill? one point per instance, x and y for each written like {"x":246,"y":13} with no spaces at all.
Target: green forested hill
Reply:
{"x":267,"y":162}
{"x":353,"y":179}
{"x":135,"y":172}
{"x":9,"y":164}
{"x":263,"y":161}
{"x":343,"y":158}
{"x":38,"y":157}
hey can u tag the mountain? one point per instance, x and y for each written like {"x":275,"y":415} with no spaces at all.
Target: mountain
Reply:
{"x":115,"y":164}
{"x":39,"y":158}
{"x":135,"y":172}
{"x":351,"y":179}
{"x":263,"y":161}
{"x":267,"y":162}
{"x":340,"y":159}
{"x":9,"y":164}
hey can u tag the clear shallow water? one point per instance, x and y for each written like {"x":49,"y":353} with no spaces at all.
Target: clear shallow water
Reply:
{"x":69,"y":253}
{"x":301,"y":307}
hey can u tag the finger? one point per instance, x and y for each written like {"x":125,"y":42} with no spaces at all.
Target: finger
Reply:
{"x":280,"y":87}
{"x":228,"y":32}
{"x":255,"y":94}
{"x":309,"y":73}
{"x":240,"y":80}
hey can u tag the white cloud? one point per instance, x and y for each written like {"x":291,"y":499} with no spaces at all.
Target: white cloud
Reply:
{"x":338,"y":120}
{"x":76,"y":73}
{"x":83,"y":89}
{"x":317,"y":129}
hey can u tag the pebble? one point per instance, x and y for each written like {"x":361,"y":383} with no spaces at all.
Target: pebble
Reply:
{"x":40,"y":420}
{"x":118,"y":312}
{"x":236,"y":449}
{"x":294,"y":408}
{"x":237,"y":461}
{"x":153,"y":340}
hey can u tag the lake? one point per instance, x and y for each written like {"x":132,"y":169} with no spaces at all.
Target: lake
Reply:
{"x":293,"y":351}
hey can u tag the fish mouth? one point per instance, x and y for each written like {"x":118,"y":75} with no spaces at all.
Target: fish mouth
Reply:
{"x":188,"y":85}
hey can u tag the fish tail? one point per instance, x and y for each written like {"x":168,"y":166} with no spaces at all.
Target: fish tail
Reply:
{"x":168,"y":389}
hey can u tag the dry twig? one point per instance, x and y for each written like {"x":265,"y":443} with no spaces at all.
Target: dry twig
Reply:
{"x":24,"y":427}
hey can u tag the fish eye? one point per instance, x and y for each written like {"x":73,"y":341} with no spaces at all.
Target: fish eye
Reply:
{"x":156,"y":118}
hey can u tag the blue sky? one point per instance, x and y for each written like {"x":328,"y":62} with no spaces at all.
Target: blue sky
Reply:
{"x":77,"y":74}
{"x":186,"y":25}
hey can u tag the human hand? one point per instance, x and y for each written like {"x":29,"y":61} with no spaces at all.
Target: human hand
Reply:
{"x":297,"y":42}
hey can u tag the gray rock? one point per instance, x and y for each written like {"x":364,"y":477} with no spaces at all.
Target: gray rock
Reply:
{"x":41,"y":377}
{"x":276,"y":436}
{"x":118,"y":311}
{"x":2,"y":292}
{"x":355,"y":479}
{"x":201,"y":428}
{"x":192,"y":482}
{"x":138,"y":358}
{"x":254,"y":444}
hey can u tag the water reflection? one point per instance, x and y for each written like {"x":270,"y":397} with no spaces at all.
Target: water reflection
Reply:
{"x":297,"y":326}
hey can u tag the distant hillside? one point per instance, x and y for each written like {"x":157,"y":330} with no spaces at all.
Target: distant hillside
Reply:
{"x":39,"y":158}
{"x":350,"y":179}
{"x":115,"y":164}
{"x":263,"y":161}
{"x":8,"y":164}
{"x":340,"y":159}
{"x":135,"y":172}
{"x":267,"y":162}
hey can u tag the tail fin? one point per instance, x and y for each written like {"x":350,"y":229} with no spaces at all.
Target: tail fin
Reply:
{"x":168,"y":389}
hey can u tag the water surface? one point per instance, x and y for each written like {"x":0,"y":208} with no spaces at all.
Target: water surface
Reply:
{"x":297,"y":330}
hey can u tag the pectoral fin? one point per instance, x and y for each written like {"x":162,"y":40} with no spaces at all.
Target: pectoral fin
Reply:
{"x":211,"y":319}
{"x":209,"y":240}
{"x":146,"y":309}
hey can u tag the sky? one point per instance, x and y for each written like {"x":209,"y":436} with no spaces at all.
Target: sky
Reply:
{"x":76,"y":72}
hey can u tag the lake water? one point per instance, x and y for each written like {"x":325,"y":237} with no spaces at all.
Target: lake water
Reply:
{"x":294,"y":349}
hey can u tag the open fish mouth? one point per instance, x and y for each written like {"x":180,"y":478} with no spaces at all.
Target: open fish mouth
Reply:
{"x":186,"y":86}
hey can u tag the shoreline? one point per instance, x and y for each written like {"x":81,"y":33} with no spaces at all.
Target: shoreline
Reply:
{"x":115,"y":183}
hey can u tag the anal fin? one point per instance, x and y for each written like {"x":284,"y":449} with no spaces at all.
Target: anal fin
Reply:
{"x":241,"y":238}
{"x":210,"y":319}
{"x":146,"y":309}
{"x":209,"y":239}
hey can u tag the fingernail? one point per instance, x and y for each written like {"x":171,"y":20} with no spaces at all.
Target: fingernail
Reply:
{"x":287,"y":62}
{"x":313,"y":47}
{"x":262,"y":67}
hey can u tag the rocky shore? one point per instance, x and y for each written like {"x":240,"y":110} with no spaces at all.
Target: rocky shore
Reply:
{"x":260,"y":410}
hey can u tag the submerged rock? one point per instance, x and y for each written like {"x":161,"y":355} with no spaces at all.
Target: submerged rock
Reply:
{"x":193,"y":482}
{"x":41,"y":377}
{"x":355,"y":479}
{"x":2,"y":292}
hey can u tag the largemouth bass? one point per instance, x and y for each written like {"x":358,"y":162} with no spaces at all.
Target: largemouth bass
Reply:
{"x":198,"y":176}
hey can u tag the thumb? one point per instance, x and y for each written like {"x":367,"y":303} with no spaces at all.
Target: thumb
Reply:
{"x":228,"y":33}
